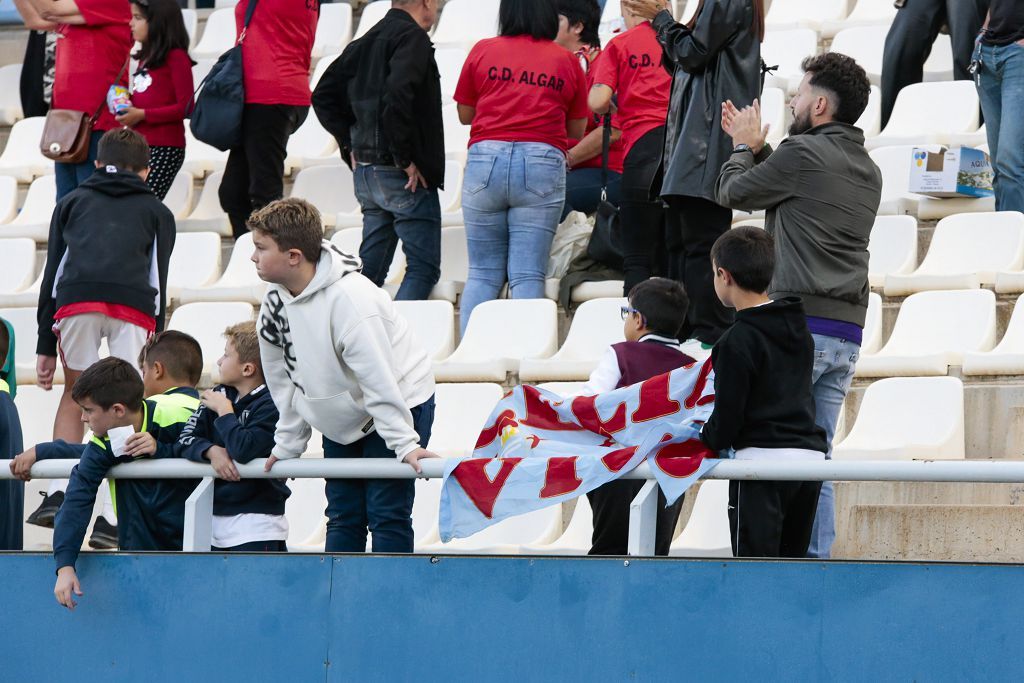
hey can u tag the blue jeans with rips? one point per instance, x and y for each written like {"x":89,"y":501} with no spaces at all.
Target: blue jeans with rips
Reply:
{"x":834,"y":363}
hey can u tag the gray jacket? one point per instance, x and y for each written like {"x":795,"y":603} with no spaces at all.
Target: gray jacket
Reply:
{"x":821,"y":191}
{"x":719,"y":60}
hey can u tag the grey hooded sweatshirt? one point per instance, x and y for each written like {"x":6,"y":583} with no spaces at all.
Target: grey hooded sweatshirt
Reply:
{"x":821,"y":192}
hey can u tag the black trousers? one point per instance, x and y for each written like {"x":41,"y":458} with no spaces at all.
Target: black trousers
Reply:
{"x":692,"y":226}
{"x":610,"y":505}
{"x":910,"y":39}
{"x":641,"y":212}
{"x":772,"y":518}
{"x":254,"y":174}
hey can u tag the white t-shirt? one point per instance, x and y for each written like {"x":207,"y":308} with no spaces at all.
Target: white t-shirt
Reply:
{"x":231,"y":530}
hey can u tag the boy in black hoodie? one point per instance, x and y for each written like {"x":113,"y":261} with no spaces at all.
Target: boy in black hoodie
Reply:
{"x":107,"y":258}
{"x":236,"y":423}
{"x":763,"y":403}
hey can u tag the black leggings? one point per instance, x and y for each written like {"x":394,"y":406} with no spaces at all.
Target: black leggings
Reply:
{"x":641,"y":212}
{"x":254,"y":173}
{"x":693,"y":225}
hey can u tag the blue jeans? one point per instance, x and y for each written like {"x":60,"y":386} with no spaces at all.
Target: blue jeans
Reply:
{"x":382,"y":506}
{"x":70,"y":176}
{"x":834,"y":363}
{"x":512,"y":196}
{"x":392,"y":213}
{"x":1001,"y":89}
{"x":583,"y":190}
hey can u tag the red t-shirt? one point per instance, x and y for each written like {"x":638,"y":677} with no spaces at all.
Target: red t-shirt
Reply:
{"x":631,"y":66}
{"x":165,"y":93}
{"x":89,"y":57}
{"x":616,"y":153}
{"x":116,"y":311}
{"x":276,"y":51}
{"x":523,"y":89}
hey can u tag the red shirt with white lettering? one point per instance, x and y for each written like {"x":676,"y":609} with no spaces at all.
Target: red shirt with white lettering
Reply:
{"x":89,"y":57}
{"x":165,"y":94}
{"x":276,"y":50}
{"x":523,"y":89}
{"x":631,"y":66}
{"x":616,"y":153}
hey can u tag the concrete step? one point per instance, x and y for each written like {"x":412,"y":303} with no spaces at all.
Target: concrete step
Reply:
{"x":962,"y":533}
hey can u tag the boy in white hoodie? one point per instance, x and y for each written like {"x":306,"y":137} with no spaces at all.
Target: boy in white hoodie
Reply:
{"x":338,"y":357}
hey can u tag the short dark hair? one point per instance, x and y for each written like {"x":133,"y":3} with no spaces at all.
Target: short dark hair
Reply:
{"x":845,"y":79}
{"x":179,"y":353}
{"x":293,"y":224}
{"x":586,"y":12}
{"x":663,"y":304}
{"x":536,"y":18}
{"x":5,"y":342}
{"x":125,"y":149}
{"x":748,"y":253}
{"x":166,"y":31}
{"x":109,"y":381}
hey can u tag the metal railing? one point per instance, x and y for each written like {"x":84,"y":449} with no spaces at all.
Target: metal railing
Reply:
{"x":643,"y":509}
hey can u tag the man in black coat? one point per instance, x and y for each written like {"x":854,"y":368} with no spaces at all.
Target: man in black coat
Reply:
{"x":381,"y":100}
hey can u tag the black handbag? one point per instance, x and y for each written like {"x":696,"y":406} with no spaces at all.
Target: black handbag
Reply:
{"x":605,"y":244}
{"x":217,"y":114}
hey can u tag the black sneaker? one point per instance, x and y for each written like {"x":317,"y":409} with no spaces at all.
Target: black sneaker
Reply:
{"x":47,"y":510}
{"x":104,"y":535}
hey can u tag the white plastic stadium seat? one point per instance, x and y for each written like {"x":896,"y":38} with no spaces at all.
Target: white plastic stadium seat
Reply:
{"x":17,"y":264}
{"x":207,"y":214}
{"x":600,"y":289}
{"x":199,"y":71}
{"x":201,"y":158}
{"x":25,"y":297}
{"x":454,"y":265}
{"x":304,"y":511}
{"x":37,"y":408}
{"x":966,"y":251}
{"x":329,"y":188}
{"x":939,"y":65}
{"x":787,"y":50}
{"x":871,"y":120}
{"x":372,"y":13}
{"x":872,"y":337}
{"x":349,"y":239}
{"x":461,"y":413}
{"x":864,"y":13}
{"x":23,"y":320}
{"x":596,"y":325}
{"x":894,"y":163}
{"x":10,"y":94}
{"x":8,"y":198}
{"x":933,"y":331}
{"x":33,"y":221}
{"x":433,"y":324}
{"x":181,"y":194}
{"x":207,"y":322}
{"x":449,"y":64}
{"x":218,"y":34}
{"x":773,"y":113}
{"x":318,"y":72}
{"x":974,"y":138}
{"x":892,"y":249}
{"x":576,"y":539}
{"x":450,"y":197}
{"x":1007,"y":358}
{"x":501,"y":333}
{"x":195,"y":261}
{"x":456,"y":135}
{"x":191,"y":18}
{"x":908,"y":418}
{"x":310,"y":145}
{"x":464,"y":22}
{"x":21,"y":157}
{"x":706,"y":533}
{"x":238,"y":283}
{"x":930,"y":113}
{"x":865,"y":44}
{"x":812,"y":14}
{"x":333,"y":30}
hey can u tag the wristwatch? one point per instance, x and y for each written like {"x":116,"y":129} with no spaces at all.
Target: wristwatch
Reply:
{"x":742,"y":148}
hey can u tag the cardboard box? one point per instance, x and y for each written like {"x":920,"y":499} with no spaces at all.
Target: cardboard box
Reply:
{"x":957,"y":172}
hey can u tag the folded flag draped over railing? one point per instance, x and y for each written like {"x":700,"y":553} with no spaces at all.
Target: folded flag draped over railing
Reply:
{"x":539,"y":449}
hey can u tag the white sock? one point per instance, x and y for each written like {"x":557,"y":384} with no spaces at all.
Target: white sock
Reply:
{"x":108,"y":505}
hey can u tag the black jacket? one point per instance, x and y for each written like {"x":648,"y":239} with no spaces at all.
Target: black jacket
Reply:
{"x":821,"y":191}
{"x":105,"y":238}
{"x":719,"y":60}
{"x":381,"y":99}
{"x":150,"y":512}
{"x":246,"y":435}
{"x":763,"y":369}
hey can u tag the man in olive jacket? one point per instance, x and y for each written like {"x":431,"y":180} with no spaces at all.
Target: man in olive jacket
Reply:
{"x":821,"y":192}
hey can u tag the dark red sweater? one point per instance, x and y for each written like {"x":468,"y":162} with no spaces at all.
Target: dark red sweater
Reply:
{"x":165,"y":93}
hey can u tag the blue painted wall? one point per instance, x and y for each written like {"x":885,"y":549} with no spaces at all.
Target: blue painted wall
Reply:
{"x":304,"y":618}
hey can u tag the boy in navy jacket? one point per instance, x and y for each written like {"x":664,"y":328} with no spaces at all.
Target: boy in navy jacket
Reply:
{"x":236,"y":423}
{"x":651,"y":323}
